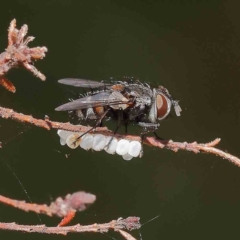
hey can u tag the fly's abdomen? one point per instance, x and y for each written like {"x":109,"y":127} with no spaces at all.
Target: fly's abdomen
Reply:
{"x":99,"y":111}
{"x":80,"y":114}
{"x":90,"y":113}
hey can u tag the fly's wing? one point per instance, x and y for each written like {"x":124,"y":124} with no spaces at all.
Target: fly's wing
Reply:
{"x":84,"y":83}
{"x":106,"y":98}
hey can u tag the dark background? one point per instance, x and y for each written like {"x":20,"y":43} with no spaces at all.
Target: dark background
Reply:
{"x":190,"y":47}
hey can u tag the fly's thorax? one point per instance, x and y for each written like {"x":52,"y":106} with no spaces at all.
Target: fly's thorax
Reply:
{"x":122,"y":101}
{"x":161,"y":106}
{"x":118,"y":87}
{"x":144,"y":100}
{"x":139,"y":90}
{"x":137,"y":113}
{"x":142,"y":95}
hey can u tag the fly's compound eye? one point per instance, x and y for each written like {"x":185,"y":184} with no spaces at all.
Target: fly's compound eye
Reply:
{"x":163,"y":105}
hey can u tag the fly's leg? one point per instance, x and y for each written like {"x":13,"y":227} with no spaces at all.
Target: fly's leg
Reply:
{"x":119,"y":123}
{"x":150,"y":127}
{"x":101,"y":124}
{"x":120,"y":120}
{"x":147,"y":127}
{"x":99,"y":121}
{"x":143,"y":135}
{"x":157,"y":136}
{"x":126,"y":128}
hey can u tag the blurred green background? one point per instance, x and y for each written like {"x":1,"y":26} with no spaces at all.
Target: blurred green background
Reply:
{"x":190,"y":47}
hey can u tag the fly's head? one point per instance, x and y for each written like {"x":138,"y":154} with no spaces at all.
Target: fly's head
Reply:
{"x":162,"y":102}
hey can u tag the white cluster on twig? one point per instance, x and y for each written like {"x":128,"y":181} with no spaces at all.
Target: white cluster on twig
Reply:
{"x":98,"y":142}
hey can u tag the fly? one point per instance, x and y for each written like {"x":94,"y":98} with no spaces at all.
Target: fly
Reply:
{"x":122,"y":101}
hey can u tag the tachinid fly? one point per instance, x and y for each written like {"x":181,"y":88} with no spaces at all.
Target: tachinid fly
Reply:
{"x":123,"y":101}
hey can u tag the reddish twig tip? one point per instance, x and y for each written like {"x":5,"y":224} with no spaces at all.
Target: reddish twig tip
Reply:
{"x":19,"y":54}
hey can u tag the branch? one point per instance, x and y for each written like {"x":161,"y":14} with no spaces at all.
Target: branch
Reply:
{"x":130,"y":223}
{"x":151,"y":141}
{"x":19,"y":54}
{"x":67,"y":208}
{"x":77,"y":201}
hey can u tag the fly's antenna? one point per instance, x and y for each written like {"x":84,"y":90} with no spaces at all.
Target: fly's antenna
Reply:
{"x":177,"y":107}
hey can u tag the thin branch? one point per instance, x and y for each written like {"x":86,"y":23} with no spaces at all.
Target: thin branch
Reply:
{"x":130,"y":223}
{"x":61,"y":207}
{"x":167,"y":144}
{"x":126,"y":235}
{"x":66,"y":208}
{"x":19,"y":54}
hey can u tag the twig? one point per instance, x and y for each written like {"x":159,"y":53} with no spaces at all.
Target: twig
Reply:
{"x":77,"y":201}
{"x":168,"y":144}
{"x":67,"y":208}
{"x":126,"y":235}
{"x":130,"y":223}
{"x":19,"y":54}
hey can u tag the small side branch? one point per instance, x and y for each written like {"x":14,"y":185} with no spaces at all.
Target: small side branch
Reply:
{"x":194,"y":147}
{"x":151,"y":141}
{"x":77,"y":201}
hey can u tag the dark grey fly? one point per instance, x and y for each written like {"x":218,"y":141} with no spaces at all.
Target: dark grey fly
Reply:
{"x":122,"y":101}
